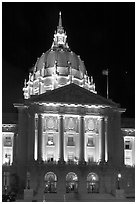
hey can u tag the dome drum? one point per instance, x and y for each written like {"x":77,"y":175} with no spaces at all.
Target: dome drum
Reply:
{"x":61,"y":71}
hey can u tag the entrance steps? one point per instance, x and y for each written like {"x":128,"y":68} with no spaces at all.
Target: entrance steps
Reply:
{"x":78,"y":197}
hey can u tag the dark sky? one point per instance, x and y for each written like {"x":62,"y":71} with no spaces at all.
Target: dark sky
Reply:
{"x":103,"y":34}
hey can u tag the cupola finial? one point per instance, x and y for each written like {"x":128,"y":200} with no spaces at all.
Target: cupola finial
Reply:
{"x":60,"y":27}
{"x":60,"y":19}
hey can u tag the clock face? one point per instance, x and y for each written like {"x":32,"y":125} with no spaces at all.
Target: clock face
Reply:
{"x":60,"y":40}
{"x":90,"y":125}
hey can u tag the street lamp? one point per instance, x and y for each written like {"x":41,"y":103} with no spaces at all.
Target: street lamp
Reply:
{"x":28,"y":180}
{"x":119,"y":177}
{"x":6,"y":181}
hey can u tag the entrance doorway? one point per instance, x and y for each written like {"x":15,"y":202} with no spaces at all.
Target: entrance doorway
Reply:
{"x":50,"y":183}
{"x":92,"y":183}
{"x":71,"y":182}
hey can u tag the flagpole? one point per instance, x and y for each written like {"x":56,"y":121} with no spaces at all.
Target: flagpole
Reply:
{"x":107,"y":86}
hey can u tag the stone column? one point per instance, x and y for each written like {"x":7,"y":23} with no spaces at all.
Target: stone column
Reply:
{"x":40,"y":131}
{"x":31,"y":137}
{"x":106,"y":139}
{"x":82,"y":139}
{"x":102,"y":140}
{"x":61,"y":131}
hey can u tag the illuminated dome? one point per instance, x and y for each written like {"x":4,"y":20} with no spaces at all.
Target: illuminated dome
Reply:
{"x":57,"y":67}
{"x":62,"y":57}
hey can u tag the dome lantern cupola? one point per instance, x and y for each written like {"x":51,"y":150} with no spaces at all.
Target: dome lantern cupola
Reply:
{"x":57,"y":67}
{"x":60,"y":36}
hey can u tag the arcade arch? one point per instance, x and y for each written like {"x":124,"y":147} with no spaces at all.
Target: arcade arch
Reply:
{"x":71,"y":182}
{"x":50,"y":180}
{"x":92,"y":183}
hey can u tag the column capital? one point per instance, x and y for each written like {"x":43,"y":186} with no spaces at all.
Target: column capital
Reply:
{"x":102,"y":117}
{"x":61,"y":116}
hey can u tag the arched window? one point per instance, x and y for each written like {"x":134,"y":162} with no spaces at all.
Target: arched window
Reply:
{"x":71,"y":182}
{"x":50,"y":182}
{"x":92,"y":183}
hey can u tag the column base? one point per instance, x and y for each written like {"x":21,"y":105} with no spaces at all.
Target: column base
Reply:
{"x":61,"y":161}
{"x":120,"y":193}
{"x":82,"y":162}
{"x":28,"y":195}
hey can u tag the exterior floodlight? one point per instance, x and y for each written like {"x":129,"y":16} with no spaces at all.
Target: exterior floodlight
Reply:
{"x":119,"y":175}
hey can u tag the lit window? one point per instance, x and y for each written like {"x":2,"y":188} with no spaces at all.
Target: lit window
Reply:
{"x":50,"y":141}
{"x":70,"y":141}
{"x":90,"y":142}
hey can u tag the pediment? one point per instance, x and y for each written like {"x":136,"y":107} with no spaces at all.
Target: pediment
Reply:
{"x":72,"y":93}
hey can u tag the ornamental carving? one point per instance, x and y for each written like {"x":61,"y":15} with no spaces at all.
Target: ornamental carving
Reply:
{"x":91,"y":124}
{"x":70,"y":124}
{"x":50,"y":123}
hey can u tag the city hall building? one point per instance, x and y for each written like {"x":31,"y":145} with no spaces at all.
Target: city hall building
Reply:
{"x":67,"y":139}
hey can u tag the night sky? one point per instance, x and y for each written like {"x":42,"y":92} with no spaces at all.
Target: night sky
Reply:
{"x":103,"y":34}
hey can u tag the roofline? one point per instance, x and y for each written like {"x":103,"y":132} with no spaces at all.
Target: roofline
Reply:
{"x":33,"y":97}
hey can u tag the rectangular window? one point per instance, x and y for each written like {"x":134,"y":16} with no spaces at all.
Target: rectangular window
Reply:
{"x":90,"y":142}
{"x":70,"y":141}
{"x":128,"y":145}
{"x":50,"y":141}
